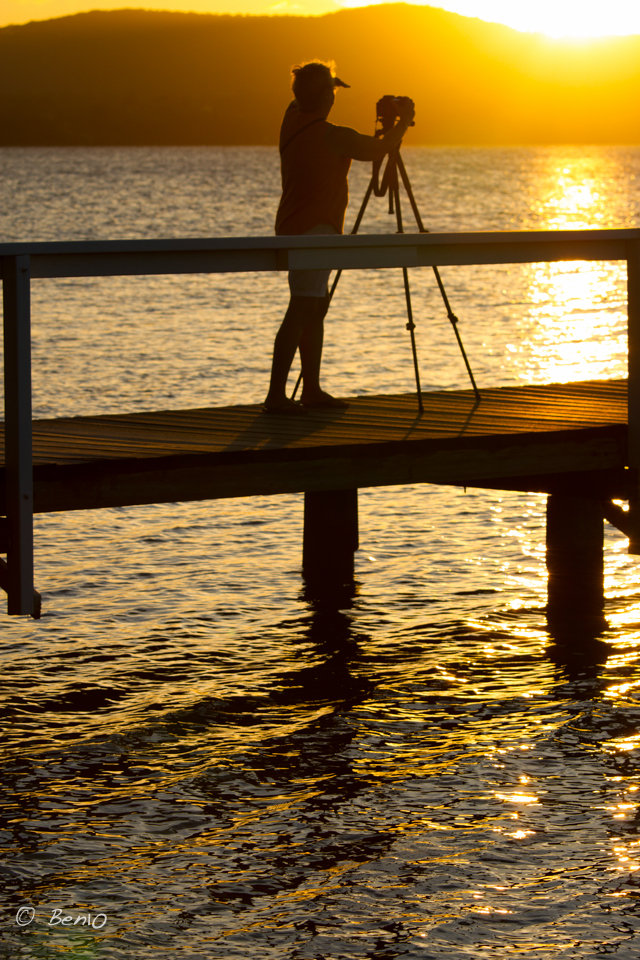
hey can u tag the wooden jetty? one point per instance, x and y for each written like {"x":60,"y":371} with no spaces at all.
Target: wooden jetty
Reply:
{"x":579,"y":442}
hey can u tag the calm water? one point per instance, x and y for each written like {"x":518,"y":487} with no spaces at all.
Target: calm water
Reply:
{"x":209,"y":764}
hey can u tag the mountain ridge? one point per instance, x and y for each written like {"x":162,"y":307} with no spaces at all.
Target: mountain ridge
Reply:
{"x":162,"y":78}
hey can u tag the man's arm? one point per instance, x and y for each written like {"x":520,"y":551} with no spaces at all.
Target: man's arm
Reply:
{"x":359,"y":146}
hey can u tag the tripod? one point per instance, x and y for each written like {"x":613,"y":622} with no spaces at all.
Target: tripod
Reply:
{"x":390,"y":184}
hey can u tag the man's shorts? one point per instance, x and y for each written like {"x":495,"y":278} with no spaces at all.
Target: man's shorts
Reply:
{"x":311,"y":283}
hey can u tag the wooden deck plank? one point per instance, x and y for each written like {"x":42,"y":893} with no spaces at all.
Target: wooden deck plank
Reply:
{"x":513,"y":410}
{"x":240,"y":450}
{"x":369,"y":419}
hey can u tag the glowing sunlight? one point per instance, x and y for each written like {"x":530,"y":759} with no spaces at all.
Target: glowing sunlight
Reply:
{"x":556,"y":18}
{"x":571,"y":302}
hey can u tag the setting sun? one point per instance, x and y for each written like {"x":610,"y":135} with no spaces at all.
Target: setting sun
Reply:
{"x":556,"y":18}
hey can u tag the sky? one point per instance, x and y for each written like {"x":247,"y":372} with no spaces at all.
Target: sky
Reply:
{"x":558,"y":18}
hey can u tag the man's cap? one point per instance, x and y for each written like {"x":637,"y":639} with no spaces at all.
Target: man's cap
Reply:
{"x":314,"y":75}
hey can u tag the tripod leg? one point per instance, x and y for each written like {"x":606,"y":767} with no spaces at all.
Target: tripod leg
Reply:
{"x":407,"y":293}
{"x":363,"y":205}
{"x":409,"y":192}
{"x":450,"y":314}
{"x":454,"y":323}
{"x":411,"y":328}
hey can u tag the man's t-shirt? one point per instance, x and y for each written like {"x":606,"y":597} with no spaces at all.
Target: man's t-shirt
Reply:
{"x":315,"y":159}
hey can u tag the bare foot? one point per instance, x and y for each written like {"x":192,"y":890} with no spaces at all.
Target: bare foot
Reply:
{"x":282,"y":405}
{"x":322,"y":399}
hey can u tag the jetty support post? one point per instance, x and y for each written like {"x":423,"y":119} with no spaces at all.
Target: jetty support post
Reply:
{"x":575,"y":564}
{"x":330,"y":537}
{"x":17,"y":576}
{"x":633,"y":334}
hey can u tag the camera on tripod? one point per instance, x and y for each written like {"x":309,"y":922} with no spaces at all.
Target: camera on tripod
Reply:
{"x":388,"y":110}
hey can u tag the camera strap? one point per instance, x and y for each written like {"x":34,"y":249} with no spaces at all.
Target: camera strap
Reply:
{"x":298,"y":132}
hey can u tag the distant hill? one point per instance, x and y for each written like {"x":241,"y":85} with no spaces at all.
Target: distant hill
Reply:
{"x":141,"y":77}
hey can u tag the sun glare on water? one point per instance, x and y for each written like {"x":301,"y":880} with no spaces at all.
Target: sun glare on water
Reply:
{"x":575,"y":297}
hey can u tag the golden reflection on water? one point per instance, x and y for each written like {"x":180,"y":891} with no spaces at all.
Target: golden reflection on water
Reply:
{"x":573,"y":332}
{"x":576,"y":316}
{"x":515,"y":797}
{"x":572,"y":194}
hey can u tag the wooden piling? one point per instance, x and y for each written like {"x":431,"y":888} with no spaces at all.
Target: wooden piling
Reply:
{"x":16,"y":577}
{"x":330,"y":537}
{"x":575,"y":562}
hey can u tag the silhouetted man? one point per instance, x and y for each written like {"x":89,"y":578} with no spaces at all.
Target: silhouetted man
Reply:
{"x":315,"y":157}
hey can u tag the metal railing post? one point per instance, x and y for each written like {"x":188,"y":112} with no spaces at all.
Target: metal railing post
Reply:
{"x":18,"y":452}
{"x":633,"y":320}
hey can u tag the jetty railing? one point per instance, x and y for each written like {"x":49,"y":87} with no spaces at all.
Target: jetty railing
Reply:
{"x":20,"y":263}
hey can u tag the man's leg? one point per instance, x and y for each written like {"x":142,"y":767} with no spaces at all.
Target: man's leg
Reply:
{"x":311,"y":354}
{"x":311,"y":350}
{"x":286,"y":343}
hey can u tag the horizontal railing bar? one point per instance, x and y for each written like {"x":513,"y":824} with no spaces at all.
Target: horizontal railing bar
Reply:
{"x":364,"y":251}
